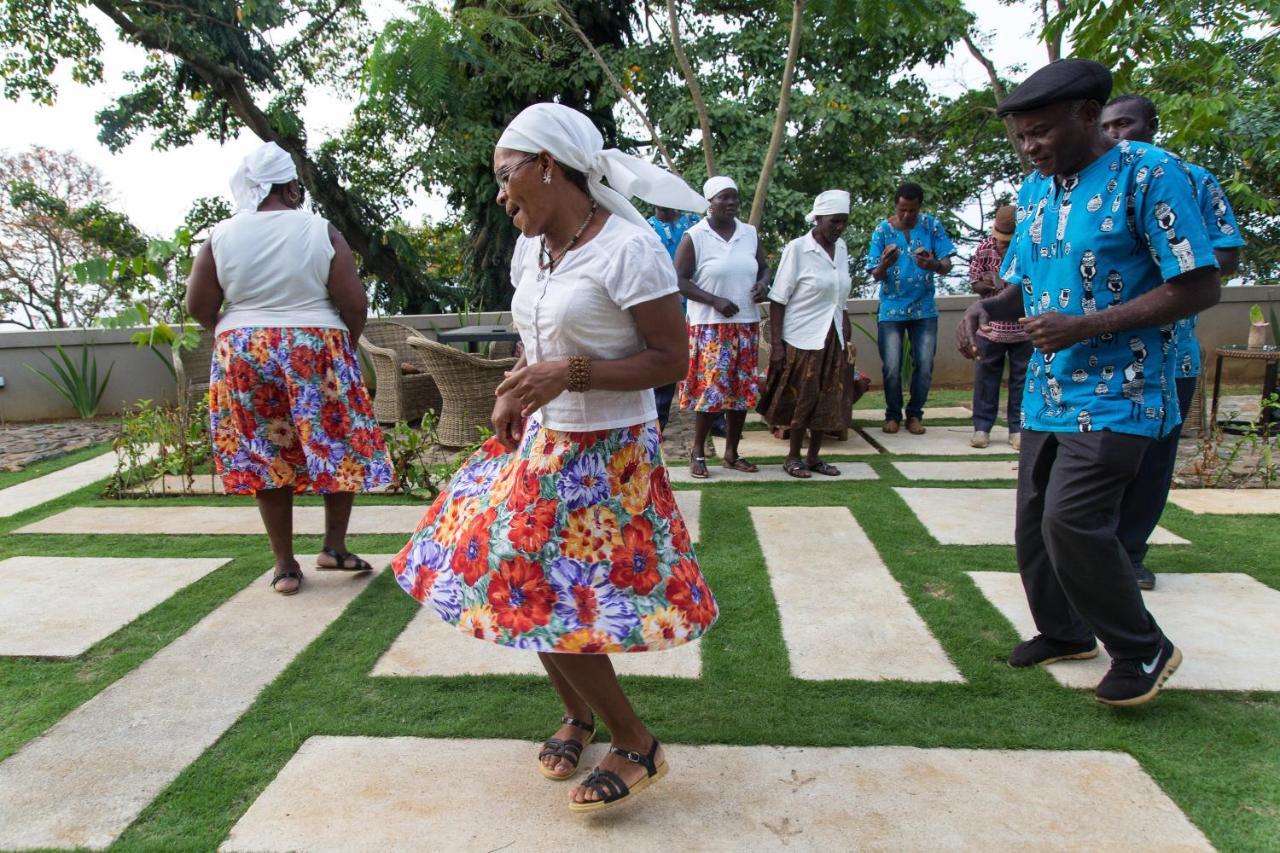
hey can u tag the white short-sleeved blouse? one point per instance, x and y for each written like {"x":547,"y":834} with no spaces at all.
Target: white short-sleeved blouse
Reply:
{"x":725,"y":268}
{"x":814,"y":286}
{"x":582,"y":309}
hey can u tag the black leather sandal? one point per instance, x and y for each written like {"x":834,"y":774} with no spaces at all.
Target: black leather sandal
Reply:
{"x":341,"y":558}
{"x":569,"y":750}
{"x":294,"y":573}
{"x":609,"y":785}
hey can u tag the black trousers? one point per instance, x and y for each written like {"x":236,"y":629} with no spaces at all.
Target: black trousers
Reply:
{"x":987,"y":373}
{"x":1077,"y":576}
{"x":1146,"y":496}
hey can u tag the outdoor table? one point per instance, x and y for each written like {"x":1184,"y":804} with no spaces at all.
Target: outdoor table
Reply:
{"x":1270,"y":356}
{"x":472,"y":335}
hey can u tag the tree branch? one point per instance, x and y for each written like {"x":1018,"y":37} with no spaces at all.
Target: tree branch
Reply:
{"x":1000,"y":93}
{"x":695,"y":90}
{"x":780,"y":122}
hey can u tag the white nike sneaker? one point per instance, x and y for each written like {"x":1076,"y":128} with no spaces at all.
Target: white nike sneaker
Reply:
{"x":980,"y":439}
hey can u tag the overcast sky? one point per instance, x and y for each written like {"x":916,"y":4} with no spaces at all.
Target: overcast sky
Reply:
{"x":156,"y":188}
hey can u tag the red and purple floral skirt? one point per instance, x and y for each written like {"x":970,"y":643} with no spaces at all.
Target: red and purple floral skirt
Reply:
{"x":723,"y":368}
{"x":570,"y":543}
{"x":288,"y":409}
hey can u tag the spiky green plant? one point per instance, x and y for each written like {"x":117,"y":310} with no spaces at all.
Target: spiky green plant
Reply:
{"x":79,"y":384}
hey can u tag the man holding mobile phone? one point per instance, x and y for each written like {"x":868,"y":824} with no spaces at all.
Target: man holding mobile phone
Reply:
{"x":907,"y":250}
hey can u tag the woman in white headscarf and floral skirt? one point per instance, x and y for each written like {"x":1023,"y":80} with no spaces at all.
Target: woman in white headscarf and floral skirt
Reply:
{"x":809,"y":336}
{"x":561,"y":536}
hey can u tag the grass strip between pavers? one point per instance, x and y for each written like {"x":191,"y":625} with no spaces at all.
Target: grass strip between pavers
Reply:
{"x":1217,"y":754}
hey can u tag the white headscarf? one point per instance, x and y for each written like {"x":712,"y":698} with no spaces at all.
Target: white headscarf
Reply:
{"x":266,"y":165}
{"x":572,"y":140}
{"x":714,"y":186}
{"x":828,"y":203}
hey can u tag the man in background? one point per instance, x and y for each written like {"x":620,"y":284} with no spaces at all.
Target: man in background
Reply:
{"x":907,"y":250}
{"x":1134,"y":117}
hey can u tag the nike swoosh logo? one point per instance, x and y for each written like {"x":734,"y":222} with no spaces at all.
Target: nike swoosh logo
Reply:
{"x":1149,"y":668}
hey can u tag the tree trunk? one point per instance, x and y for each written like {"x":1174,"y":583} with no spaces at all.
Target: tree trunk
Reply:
{"x":997,"y":89}
{"x":1052,"y":45}
{"x":780,"y":123}
{"x":695,"y":90}
{"x":337,"y":206}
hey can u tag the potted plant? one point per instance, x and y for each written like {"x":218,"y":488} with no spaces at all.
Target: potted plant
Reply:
{"x":1259,"y":328}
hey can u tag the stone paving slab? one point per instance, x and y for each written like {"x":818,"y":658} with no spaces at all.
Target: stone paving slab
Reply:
{"x":877,"y":415}
{"x":1228,"y":501}
{"x":769,"y":474}
{"x":430,"y":647}
{"x":82,"y":782}
{"x":940,"y":441}
{"x":110,"y":592}
{"x":29,"y":493}
{"x":761,"y":443}
{"x":228,"y":520}
{"x":994,"y":469}
{"x":407,"y":794}
{"x":1224,"y":623}
{"x":843,"y":614}
{"x":980,"y":516}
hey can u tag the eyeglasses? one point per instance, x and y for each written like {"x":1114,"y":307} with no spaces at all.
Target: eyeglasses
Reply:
{"x":503,"y":176}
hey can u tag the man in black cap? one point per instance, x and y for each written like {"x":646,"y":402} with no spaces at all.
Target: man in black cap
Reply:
{"x":1134,"y":117}
{"x":1110,"y":251}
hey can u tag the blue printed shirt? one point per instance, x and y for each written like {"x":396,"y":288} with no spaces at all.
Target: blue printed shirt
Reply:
{"x":1224,"y":233}
{"x":670,"y":233}
{"x":1123,"y":226}
{"x":907,"y":290}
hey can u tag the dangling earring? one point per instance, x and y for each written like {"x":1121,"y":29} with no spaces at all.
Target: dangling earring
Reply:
{"x":546,"y":176}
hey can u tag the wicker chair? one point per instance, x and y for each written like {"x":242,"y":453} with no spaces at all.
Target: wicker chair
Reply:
{"x":466,"y":383}
{"x":192,"y":367}
{"x":399,"y":396}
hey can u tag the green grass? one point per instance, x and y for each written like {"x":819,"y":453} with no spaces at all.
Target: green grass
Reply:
{"x":1217,"y":754}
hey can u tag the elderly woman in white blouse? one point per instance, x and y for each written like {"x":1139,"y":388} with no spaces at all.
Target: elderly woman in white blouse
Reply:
{"x":809,"y":336}
{"x":561,"y":536}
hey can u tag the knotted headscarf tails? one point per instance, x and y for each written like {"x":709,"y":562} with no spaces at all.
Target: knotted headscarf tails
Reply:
{"x":572,"y":140}
{"x":266,"y":165}
{"x":828,"y":203}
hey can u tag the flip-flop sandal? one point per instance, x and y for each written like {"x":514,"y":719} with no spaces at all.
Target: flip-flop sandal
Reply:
{"x":698,"y":467}
{"x":295,"y":574}
{"x":609,"y":785}
{"x":569,"y":749}
{"x":824,"y":468}
{"x":341,"y":559}
{"x":796,"y":469}
{"x":740,"y":464}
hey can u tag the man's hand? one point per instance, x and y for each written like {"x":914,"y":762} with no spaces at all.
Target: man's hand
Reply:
{"x":1054,"y":331}
{"x":975,"y":317}
{"x":724,"y":306}
{"x":508,"y":423}
{"x":889,"y":255}
{"x":925,"y":260}
{"x":535,"y":385}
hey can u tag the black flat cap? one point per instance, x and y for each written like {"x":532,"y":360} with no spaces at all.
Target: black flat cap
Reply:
{"x":1064,"y":80}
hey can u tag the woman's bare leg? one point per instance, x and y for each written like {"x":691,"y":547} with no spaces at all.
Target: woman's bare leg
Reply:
{"x":276,"y":508}
{"x":815,"y":446}
{"x":574,"y":706}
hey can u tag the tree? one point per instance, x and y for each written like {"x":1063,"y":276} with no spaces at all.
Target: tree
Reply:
{"x":215,"y":69}
{"x":54,"y":218}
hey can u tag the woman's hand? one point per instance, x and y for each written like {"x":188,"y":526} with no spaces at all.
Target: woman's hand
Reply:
{"x":535,"y":385}
{"x":725,"y":306}
{"x":508,"y":423}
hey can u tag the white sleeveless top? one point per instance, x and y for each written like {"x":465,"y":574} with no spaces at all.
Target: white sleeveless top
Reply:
{"x":582,"y":309}
{"x":274,"y":270}
{"x":725,"y":268}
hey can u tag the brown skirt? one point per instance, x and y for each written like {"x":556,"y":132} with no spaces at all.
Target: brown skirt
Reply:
{"x":807,"y":389}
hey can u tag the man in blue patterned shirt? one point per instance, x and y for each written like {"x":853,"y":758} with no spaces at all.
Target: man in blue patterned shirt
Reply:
{"x":906,"y":250}
{"x":1134,"y":117}
{"x":1110,"y":251}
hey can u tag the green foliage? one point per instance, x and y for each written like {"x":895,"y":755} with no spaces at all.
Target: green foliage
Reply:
{"x":156,"y":440}
{"x":1212,"y":69}
{"x":417,"y":468}
{"x":77,"y":383}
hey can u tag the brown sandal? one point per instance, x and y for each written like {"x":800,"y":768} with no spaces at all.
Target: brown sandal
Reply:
{"x":740,"y":464}
{"x":698,"y":467}
{"x":796,"y":468}
{"x":824,"y":468}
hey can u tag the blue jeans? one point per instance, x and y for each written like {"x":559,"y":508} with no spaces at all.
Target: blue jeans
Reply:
{"x":924,"y":343}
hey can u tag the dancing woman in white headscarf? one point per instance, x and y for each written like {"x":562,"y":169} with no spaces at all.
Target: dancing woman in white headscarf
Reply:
{"x":809,"y":331}
{"x":561,"y":536}
{"x":288,"y":408}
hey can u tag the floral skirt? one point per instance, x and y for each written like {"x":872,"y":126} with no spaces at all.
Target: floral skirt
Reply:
{"x":570,"y":543}
{"x":288,"y":409}
{"x":723,"y":364}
